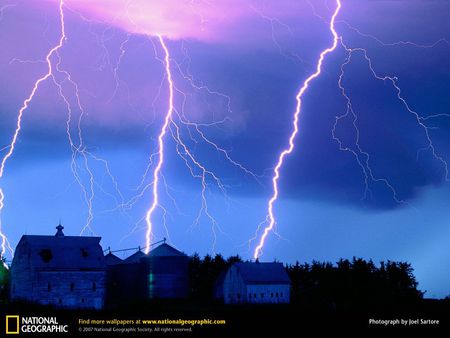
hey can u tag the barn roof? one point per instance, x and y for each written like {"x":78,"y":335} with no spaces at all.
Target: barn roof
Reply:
{"x":62,"y":252}
{"x":262,"y":273}
{"x":165,"y":250}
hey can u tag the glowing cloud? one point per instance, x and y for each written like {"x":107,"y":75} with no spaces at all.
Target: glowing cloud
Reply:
{"x":178,"y":19}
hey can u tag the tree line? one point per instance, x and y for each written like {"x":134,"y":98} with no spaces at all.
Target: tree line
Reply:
{"x":321,"y":285}
{"x":324,"y":285}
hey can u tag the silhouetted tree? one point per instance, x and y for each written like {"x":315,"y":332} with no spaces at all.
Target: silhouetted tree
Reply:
{"x":4,"y":281}
{"x":205,"y":272}
{"x":353,"y":284}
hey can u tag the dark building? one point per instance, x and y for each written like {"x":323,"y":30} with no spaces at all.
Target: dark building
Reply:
{"x":126,"y":282}
{"x":168,"y":274}
{"x":65,"y":271}
{"x":163,"y":273}
{"x":111,"y":259}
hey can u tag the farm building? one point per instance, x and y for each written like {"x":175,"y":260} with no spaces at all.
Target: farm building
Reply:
{"x":248,"y":282}
{"x":162,"y":273}
{"x":64,"y":271}
{"x":168,"y":274}
{"x":125,"y":279}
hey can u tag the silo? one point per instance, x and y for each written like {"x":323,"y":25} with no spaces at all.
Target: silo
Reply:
{"x":168,"y":273}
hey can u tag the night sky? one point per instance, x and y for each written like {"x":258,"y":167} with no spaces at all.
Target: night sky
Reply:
{"x":237,"y":66}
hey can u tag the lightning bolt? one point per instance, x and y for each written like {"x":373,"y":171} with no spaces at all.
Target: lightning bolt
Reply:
{"x":156,"y":172}
{"x":77,"y":149}
{"x":176,"y":120}
{"x":393,"y":80}
{"x":23,"y":108}
{"x":442,"y":40}
{"x":299,"y":97}
{"x":274,"y":23}
{"x":362,"y":157}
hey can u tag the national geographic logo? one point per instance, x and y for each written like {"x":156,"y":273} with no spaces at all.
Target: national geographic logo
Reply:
{"x":12,"y":324}
{"x":16,"y":324}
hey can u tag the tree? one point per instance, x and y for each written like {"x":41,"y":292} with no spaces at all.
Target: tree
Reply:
{"x":4,"y":282}
{"x":353,"y":284}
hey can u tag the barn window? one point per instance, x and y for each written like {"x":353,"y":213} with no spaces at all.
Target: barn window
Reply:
{"x":271,"y":295}
{"x":72,"y":286}
{"x":60,"y":301}
{"x":46,"y":255}
{"x":84,"y":253}
{"x":82,"y":300}
{"x":49,"y":287}
{"x":94,"y":286}
{"x":254,"y":295}
{"x":281,"y":294}
{"x":276,"y":294}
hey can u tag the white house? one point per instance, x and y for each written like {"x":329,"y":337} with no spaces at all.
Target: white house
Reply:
{"x":254,"y":283}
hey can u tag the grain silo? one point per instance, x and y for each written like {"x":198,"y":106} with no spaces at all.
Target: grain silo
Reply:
{"x":168,"y":273}
{"x":162,"y":273}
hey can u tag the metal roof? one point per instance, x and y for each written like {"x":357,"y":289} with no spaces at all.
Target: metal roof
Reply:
{"x":112,"y":259}
{"x":134,"y":258}
{"x":165,"y":250}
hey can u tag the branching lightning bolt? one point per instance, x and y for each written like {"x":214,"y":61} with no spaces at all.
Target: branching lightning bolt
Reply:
{"x":290,"y":148}
{"x":361,"y":156}
{"x":25,"y":105}
{"x":176,"y":120}
{"x":187,"y":133}
{"x":79,"y":149}
{"x":398,"y":91}
{"x":364,"y":162}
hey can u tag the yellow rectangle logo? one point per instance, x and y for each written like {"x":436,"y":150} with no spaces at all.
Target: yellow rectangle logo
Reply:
{"x":12,"y":324}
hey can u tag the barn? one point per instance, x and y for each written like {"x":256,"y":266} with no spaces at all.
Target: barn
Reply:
{"x":59,"y":270}
{"x":253,"y":282}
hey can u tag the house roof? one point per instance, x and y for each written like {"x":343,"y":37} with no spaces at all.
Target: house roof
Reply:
{"x":262,"y":273}
{"x":112,"y":259}
{"x":61,"y":252}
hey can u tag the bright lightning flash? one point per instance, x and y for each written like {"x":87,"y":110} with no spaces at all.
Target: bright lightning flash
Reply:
{"x":167,"y":120}
{"x":270,"y":214}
